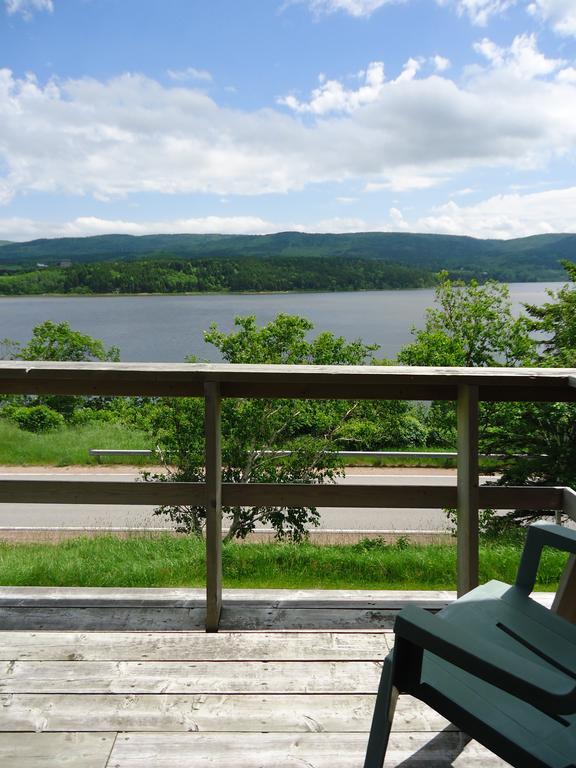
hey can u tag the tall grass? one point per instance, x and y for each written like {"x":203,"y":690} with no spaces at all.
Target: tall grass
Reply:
{"x":166,"y":561}
{"x":68,"y":445}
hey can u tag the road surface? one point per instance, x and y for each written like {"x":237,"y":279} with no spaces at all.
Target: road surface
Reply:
{"x":98,"y":516}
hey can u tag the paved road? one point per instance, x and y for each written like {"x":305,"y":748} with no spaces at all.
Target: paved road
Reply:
{"x":90,"y":515}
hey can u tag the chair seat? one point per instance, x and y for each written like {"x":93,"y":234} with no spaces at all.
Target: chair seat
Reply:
{"x":505,"y":616}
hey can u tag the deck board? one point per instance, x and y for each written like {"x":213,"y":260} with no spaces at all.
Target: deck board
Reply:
{"x":194,"y":646}
{"x":126,"y":678}
{"x":320,"y":750}
{"x":47,"y":750}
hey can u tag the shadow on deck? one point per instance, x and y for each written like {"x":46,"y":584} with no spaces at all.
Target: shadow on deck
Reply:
{"x":126,"y":678}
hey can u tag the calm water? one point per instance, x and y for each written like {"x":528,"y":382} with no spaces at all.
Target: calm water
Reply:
{"x":167,"y":328}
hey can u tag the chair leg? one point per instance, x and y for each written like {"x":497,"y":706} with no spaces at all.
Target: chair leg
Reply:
{"x":383,"y":716}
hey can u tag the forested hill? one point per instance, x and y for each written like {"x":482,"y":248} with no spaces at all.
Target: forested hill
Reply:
{"x":531,"y":258}
{"x":173,"y":275}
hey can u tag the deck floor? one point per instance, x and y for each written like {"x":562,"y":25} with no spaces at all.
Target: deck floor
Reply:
{"x":127,"y":679}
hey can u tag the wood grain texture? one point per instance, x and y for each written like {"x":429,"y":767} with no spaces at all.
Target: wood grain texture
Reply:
{"x":47,"y":750}
{"x":194,"y":646}
{"x":317,"y":750}
{"x":234,"y":617}
{"x":377,"y":382}
{"x":213,"y":463}
{"x":467,"y":489}
{"x":271,"y":494}
{"x":255,"y":713}
{"x":190,"y":677}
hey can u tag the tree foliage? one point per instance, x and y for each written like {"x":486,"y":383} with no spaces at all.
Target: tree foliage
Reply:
{"x":257,"y":433}
{"x":58,"y":342}
{"x":472,"y":325}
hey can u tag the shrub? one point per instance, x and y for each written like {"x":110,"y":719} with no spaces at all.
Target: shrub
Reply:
{"x":37,"y":418}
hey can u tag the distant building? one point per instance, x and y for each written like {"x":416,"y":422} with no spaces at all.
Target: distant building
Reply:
{"x":42,"y":266}
{"x":65,"y":263}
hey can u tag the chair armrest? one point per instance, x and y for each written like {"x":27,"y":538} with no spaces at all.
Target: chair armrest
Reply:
{"x":547,"y":689}
{"x":541,"y":535}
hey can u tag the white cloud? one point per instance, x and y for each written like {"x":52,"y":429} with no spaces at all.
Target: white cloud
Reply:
{"x":332,"y":96}
{"x":567,"y":75}
{"x":134,"y":135}
{"x":522,"y":58}
{"x":501,"y":216}
{"x":405,"y":181}
{"x":479,"y":11}
{"x":28,"y":7}
{"x":358,"y":8}
{"x":190,"y":73}
{"x":14,"y":228}
{"x":441,"y":63}
{"x":338,"y":225}
{"x":561,"y":14}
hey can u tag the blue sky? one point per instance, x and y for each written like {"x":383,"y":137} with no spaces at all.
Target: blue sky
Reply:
{"x":254,"y":116}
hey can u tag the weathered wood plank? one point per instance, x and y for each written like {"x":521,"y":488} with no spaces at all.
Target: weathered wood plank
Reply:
{"x":234,"y":617}
{"x":46,"y":750}
{"x":468,"y":488}
{"x":330,"y":713}
{"x":245,"y":605}
{"x":213,"y":461}
{"x":66,"y":491}
{"x":282,"y":380}
{"x":185,"y":677}
{"x":194,"y":646}
{"x":175,"y":596}
{"x":306,"y":618}
{"x":103,"y":619}
{"x":320,"y":750}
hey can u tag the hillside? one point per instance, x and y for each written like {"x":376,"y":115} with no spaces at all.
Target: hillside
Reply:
{"x":531,"y":258}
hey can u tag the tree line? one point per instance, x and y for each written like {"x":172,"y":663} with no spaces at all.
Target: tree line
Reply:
{"x":171,"y":275}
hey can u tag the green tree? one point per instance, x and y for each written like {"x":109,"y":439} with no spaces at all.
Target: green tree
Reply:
{"x":58,"y":342}
{"x":555,"y":322}
{"x":471,"y":326}
{"x":546,"y":432}
{"x":257,"y":432}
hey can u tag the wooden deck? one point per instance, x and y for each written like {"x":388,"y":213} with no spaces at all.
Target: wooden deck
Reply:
{"x":127,"y":679}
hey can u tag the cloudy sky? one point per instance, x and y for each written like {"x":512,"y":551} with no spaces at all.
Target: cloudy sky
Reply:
{"x":253,"y":116}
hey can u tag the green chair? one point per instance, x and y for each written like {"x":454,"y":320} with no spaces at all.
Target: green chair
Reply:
{"x":497,"y":664}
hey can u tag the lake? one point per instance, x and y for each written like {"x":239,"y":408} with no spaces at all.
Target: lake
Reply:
{"x":167,"y":328}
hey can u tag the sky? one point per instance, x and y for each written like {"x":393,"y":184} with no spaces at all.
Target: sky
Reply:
{"x":257,"y":116}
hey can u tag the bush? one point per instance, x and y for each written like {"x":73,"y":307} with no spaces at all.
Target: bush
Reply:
{"x":37,"y":418}
{"x":82,"y":416}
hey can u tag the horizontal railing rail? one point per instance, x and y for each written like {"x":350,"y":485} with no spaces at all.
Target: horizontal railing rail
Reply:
{"x":466,"y":386}
{"x":538,"y":498}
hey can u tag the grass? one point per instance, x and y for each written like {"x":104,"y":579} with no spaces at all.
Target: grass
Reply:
{"x":69,"y":445}
{"x":167,"y":561}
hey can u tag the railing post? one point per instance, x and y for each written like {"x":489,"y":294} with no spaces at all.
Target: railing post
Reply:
{"x":213,"y":505}
{"x":468,"y":481}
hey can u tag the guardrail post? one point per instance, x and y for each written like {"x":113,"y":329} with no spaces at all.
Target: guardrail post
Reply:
{"x":213,"y":505}
{"x":468,"y":481}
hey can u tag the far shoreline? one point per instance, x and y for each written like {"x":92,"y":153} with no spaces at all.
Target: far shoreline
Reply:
{"x":310,"y":291}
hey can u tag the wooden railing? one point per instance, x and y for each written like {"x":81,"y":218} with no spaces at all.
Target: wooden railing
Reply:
{"x":466,"y":386}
